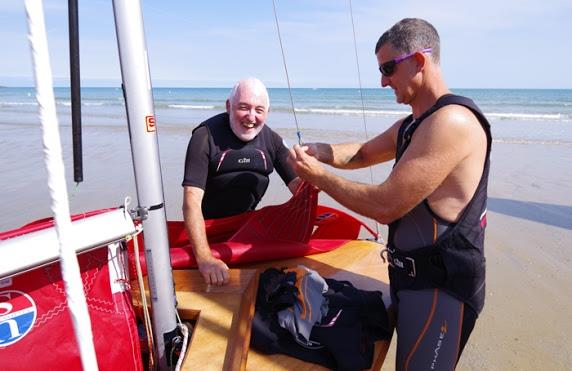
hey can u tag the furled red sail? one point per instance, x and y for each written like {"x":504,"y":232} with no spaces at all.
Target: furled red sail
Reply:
{"x":298,"y":227}
{"x":36,"y":331}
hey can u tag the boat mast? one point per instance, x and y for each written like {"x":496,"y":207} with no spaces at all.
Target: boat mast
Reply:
{"x":145,"y":153}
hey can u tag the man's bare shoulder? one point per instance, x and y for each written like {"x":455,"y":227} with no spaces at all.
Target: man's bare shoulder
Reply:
{"x":453,"y":124}
{"x":454,"y":117}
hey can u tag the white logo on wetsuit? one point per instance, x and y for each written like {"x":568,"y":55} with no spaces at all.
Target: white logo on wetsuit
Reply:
{"x":439,"y":343}
{"x":244,"y":160}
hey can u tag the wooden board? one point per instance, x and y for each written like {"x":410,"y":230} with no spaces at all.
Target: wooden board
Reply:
{"x":224,"y":314}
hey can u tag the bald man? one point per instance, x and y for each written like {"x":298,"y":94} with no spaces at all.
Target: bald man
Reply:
{"x":229,"y":159}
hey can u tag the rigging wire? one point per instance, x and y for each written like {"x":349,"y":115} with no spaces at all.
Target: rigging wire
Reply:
{"x":298,"y":132}
{"x":362,"y":101}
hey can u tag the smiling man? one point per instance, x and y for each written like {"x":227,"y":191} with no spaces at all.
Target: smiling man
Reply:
{"x":229,"y":159}
{"x":434,"y":199}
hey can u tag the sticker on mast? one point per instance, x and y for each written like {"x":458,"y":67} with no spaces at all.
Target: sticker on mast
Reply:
{"x":150,"y":124}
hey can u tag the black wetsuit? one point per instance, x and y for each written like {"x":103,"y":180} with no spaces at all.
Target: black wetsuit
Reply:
{"x":233,"y":174}
{"x":437,"y":268}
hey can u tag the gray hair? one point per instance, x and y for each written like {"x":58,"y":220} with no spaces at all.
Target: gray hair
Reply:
{"x":410,"y":35}
{"x":252,"y":83}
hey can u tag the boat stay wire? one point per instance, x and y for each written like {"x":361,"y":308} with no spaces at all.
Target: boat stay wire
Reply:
{"x":362,"y":101}
{"x":298,"y":132}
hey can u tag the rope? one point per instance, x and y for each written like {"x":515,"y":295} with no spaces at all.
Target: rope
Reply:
{"x":298,"y":132}
{"x":185,"y":331}
{"x":53,"y":158}
{"x":362,"y":102}
{"x":146,"y":316}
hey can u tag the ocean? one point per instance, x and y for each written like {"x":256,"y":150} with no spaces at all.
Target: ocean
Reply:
{"x":538,"y":122}
{"x":530,"y":209}
{"x":516,"y":115}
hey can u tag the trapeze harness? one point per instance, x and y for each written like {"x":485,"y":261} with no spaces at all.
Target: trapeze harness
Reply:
{"x":436,"y":267}
{"x":237,"y":171}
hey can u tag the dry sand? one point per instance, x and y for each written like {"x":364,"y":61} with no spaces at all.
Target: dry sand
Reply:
{"x":525,"y":323}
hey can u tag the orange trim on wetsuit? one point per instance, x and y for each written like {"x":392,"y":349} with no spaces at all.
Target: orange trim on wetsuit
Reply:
{"x":429,"y":320}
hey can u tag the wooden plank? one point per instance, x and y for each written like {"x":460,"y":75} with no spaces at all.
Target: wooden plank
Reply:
{"x":223,"y":314}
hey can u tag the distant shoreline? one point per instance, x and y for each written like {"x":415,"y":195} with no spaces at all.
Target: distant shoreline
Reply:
{"x":283,"y":87}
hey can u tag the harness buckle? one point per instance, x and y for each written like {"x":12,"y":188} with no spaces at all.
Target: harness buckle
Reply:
{"x":398,"y":261}
{"x":385,"y":258}
{"x":413,"y":272}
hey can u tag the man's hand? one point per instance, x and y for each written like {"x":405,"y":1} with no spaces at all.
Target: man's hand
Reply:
{"x":306,"y":166}
{"x":311,"y":149}
{"x":323,"y":152}
{"x":213,"y":270}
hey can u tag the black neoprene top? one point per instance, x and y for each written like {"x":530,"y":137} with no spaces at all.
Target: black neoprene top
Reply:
{"x":233,"y":174}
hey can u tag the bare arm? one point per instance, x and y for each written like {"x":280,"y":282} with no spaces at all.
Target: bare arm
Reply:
{"x":213,"y":270}
{"x":357,"y":155}
{"x":438,"y":146}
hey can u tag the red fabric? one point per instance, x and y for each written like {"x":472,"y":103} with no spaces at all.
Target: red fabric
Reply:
{"x":291,"y":221}
{"x":296,"y":228}
{"x":237,"y":253}
{"x":335,"y":224}
{"x":50,"y":343}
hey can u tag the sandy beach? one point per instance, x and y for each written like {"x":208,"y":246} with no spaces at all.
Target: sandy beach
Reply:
{"x":525,"y":323}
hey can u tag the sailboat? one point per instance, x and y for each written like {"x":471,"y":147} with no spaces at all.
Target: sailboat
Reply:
{"x":36,"y":329}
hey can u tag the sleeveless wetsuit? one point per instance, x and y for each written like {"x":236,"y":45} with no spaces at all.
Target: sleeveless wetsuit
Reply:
{"x":233,"y":174}
{"x":436,"y":298}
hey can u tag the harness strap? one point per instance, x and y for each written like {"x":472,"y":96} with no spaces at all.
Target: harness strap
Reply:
{"x":424,"y":262}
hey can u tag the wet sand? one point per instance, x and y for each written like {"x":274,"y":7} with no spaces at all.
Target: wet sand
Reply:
{"x":525,"y":323}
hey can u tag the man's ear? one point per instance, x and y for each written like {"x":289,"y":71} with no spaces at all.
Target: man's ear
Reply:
{"x":421,"y":60}
{"x":228,"y":106}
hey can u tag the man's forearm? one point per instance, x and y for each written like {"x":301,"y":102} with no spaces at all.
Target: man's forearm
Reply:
{"x":195,"y":225}
{"x":364,"y":199}
{"x":342,"y":156}
{"x":213,"y":270}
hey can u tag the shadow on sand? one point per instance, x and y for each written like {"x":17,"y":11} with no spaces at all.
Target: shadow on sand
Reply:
{"x":555,"y":215}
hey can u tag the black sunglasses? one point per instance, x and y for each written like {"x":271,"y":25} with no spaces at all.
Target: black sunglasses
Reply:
{"x":388,"y":68}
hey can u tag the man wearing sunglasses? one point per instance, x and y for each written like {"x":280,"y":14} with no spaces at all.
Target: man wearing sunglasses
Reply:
{"x":434,"y":199}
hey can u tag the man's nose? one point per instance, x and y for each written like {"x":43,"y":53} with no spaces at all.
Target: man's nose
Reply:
{"x":252,"y":114}
{"x":384,"y":81}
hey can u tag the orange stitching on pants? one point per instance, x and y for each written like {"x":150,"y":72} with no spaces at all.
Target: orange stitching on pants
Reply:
{"x":425,"y":327}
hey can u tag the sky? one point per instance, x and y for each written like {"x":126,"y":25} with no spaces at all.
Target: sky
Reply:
{"x":197,"y":43}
